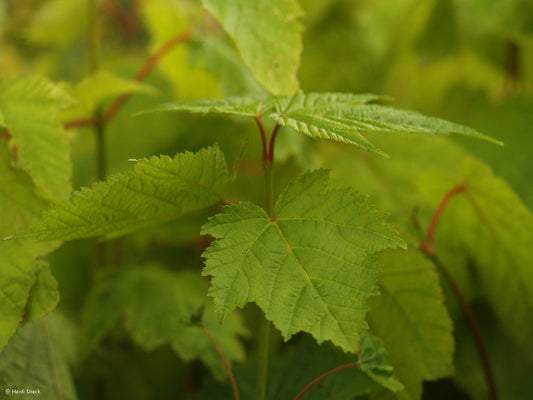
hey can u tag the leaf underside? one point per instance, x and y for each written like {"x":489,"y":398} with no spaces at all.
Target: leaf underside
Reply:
{"x":311,"y":268}
{"x":342,"y":117}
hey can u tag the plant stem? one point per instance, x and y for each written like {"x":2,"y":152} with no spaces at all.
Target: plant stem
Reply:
{"x":146,"y":69}
{"x":115,"y":10}
{"x":117,"y":252}
{"x":101,"y":117}
{"x":324,"y":375}
{"x":262,"y":358}
{"x":152,"y":61}
{"x":474,"y":327}
{"x":263,"y":140}
{"x":438,"y":211}
{"x":271,"y":144}
{"x":513,"y":68}
{"x":224,"y":361}
{"x":101,"y":164}
{"x":100,"y":251}
{"x":93,"y":42}
{"x":264,"y":328}
{"x":430,"y":249}
{"x":269,"y":190}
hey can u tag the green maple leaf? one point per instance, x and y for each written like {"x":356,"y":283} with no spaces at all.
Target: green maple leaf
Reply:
{"x":310,"y":266}
{"x":158,"y":190}
{"x":342,"y":117}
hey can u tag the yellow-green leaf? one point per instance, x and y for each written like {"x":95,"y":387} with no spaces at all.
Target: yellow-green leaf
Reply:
{"x":268,"y":35}
{"x":30,"y":107}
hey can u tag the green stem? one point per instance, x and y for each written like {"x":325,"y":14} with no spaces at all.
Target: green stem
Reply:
{"x":321,"y":377}
{"x":93,"y":42}
{"x":429,"y":247}
{"x":99,"y":129}
{"x":472,"y":322}
{"x":269,"y":192}
{"x":262,"y":358}
{"x":101,"y":248}
{"x":93,"y":50}
{"x":236,"y":395}
{"x":264,"y":328}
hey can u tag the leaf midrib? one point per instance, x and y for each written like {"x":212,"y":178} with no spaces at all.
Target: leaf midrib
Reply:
{"x":310,"y":281}
{"x":189,"y":181}
{"x":127,"y":223}
{"x":412,"y":324}
{"x":361,"y":228}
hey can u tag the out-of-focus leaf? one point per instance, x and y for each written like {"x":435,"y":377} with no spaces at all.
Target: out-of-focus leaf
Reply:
{"x":223,"y":62}
{"x":290,"y":372}
{"x":305,"y":361}
{"x":44,"y":295}
{"x":511,"y":120}
{"x":37,"y":358}
{"x":94,"y":90}
{"x":374,"y":362}
{"x":165,"y":19}
{"x":58,"y":22}
{"x":159,"y":308}
{"x":512,"y":18}
{"x":511,"y":367}
{"x":440,"y":36}
{"x":268,"y":35}
{"x":20,"y":203}
{"x":30,"y":107}
{"x":410,"y":317}
{"x":495,"y":228}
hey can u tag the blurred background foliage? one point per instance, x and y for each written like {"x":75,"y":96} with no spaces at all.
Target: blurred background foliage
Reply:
{"x":469,"y":61}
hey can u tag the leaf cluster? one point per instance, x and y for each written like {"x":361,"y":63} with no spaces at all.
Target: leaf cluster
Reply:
{"x":173,"y":261}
